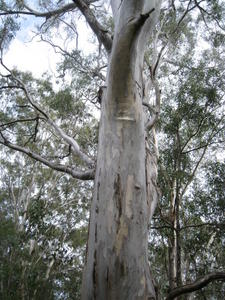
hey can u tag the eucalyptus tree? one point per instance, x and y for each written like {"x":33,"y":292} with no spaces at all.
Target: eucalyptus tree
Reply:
{"x":125,"y":170}
{"x":43,"y":231}
{"x":192,"y":131}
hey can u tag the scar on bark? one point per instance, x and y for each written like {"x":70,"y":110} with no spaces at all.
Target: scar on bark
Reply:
{"x":86,"y":252}
{"x":96,"y":210}
{"x":121,"y":235}
{"x":118,"y":195}
{"x":138,"y":22}
{"x":107,"y":277}
{"x":123,"y":269}
{"x":96,"y":237}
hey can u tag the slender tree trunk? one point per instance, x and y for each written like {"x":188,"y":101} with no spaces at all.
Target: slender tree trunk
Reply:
{"x":117,"y":263}
{"x":172,"y":241}
{"x":178,"y":247}
{"x":175,"y":277}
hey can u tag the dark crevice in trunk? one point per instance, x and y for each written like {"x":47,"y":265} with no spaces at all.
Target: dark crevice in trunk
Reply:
{"x":107,"y":277}
{"x":95,"y":275}
{"x":118,"y":197}
{"x":86,"y":252}
{"x":96,"y":235}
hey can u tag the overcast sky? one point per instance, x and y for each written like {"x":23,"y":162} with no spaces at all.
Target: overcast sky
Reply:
{"x":29,"y":54}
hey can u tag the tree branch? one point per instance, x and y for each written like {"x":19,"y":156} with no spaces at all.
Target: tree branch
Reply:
{"x":188,"y":9}
{"x":202,"y":11}
{"x":218,"y":225}
{"x":210,"y":139}
{"x":196,"y":285}
{"x":69,"y":140}
{"x":32,"y":12}
{"x":90,"y":72}
{"x":193,"y":172}
{"x":83,"y":175}
{"x":19,"y":121}
{"x":23,"y":87}
{"x":10,"y":87}
{"x":204,"y":147}
{"x":101,"y":33}
{"x":149,"y":106}
{"x":201,"y":123}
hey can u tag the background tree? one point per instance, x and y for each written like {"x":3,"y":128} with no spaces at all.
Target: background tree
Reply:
{"x":59,"y":129}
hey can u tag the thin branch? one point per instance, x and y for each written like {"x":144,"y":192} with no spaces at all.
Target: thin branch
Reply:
{"x":196,"y":285}
{"x":210,"y":139}
{"x":188,"y":9}
{"x":161,"y":227}
{"x":218,"y":225}
{"x":47,"y":15}
{"x":202,"y":11}
{"x":18,"y":121}
{"x":23,"y":87}
{"x":83,"y":175}
{"x":90,"y":72}
{"x":10,"y":87}
{"x":193,"y":172}
{"x":173,"y":5}
{"x":203,"y":146}
{"x":194,"y":133}
{"x":61,"y":156}
{"x":149,"y":106}
{"x":158,"y":60}
{"x":54,"y":46}
{"x":34,"y":134}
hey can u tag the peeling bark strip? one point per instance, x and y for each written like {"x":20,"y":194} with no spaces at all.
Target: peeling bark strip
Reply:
{"x":117,"y":261}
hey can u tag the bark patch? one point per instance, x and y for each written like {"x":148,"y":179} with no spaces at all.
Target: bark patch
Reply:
{"x":129,"y":196}
{"x":121,"y":235}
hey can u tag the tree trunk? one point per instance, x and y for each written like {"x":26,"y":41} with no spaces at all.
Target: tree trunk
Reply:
{"x":173,"y":239}
{"x":117,"y":263}
{"x":175,"y":278}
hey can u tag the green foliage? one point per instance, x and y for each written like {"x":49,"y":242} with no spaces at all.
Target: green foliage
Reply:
{"x":55,"y":222}
{"x":191,"y":125}
{"x":8,"y":26}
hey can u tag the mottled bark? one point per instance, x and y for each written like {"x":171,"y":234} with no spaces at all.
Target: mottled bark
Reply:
{"x":117,"y":264}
